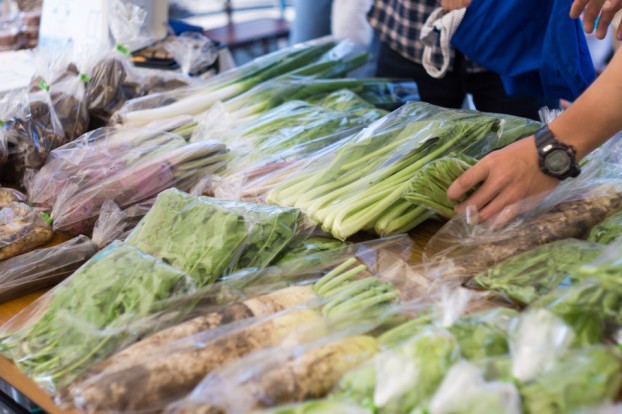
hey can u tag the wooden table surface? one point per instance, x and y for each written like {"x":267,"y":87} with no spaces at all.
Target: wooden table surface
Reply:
{"x":11,"y":374}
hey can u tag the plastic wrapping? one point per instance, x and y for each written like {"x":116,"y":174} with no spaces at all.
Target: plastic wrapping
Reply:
{"x":348,"y":101}
{"x":608,"y":230}
{"x":116,"y":224}
{"x":338,"y":302}
{"x":360,"y":186}
{"x":91,"y":314}
{"x":208,"y":237}
{"x":21,"y":230}
{"x":310,"y":246}
{"x":194,"y":100}
{"x":93,"y":158}
{"x":525,"y":277}
{"x":30,"y":129}
{"x":9,"y":195}
{"x":465,"y":390}
{"x":43,"y":268}
{"x":475,"y":248}
{"x":193,"y":52}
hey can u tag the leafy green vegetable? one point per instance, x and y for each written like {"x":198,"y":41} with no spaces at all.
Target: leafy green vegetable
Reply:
{"x":93,"y":313}
{"x":317,"y":407}
{"x":310,"y":246}
{"x":582,"y":378}
{"x":527,"y":276}
{"x":208,"y":238}
{"x":428,"y":186}
{"x":514,"y":128}
{"x":608,"y":230}
{"x":400,"y":379}
{"x":348,"y":101}
{"x":484,"y":334}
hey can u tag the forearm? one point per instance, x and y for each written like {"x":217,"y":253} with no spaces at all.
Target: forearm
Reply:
{"x":596,"y":115}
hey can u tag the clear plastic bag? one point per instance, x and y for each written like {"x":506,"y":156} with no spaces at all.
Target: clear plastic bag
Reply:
{"x":91,"y":314}
{"x":523,"y":278}
{"x":474,"y":248}
{"x":21,"y":230}
{"x":116,"y":224}
{"x":608,"y":230}
{"x":95,"y":157}
{"x":193,"y":52}
{"x":209,"y":237}
{"x":10,"y":195}
{"x":360,"y":186}
{"x":43,"y":268}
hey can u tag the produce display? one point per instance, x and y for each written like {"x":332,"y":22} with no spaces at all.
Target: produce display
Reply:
{"x":235,"y":245}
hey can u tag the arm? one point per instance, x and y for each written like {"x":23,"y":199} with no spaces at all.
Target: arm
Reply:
{"x":607,"y":9}
{"x":512,"y":174}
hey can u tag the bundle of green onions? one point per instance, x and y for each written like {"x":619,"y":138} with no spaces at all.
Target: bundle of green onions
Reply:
{"x":362,"y":185}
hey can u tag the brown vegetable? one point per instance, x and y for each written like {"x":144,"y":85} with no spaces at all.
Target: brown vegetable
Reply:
{"x":9,"y":195}
{"x":21,"y":230}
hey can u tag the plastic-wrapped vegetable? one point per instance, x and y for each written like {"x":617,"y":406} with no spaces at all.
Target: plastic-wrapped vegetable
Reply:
{"x":317,"y":407}
{"x":348,"y":101}
{"x":525,"y":277}
{"x":43,"y":268}
{"x":310,"y":246}
{"x":179,"y":167}
{"x":31,"y":130}
{"x":207,"y":237}
{"x":474,"y":249}
{"x":360,"y":186}
{"x":193,"y":52}
{"x":582,"y":378}
{"x":465,"y":390}
{"x":21,"y":230}
{"x":9,"y":195}
{"x":428,"y":186}
{"x":95,"y":157}
{"x":608,"y":230}
{"x":92,"y":314}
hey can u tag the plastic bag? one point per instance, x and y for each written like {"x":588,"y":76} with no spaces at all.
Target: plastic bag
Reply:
{"x":310,"y":246}
{"x":208,"y":237}
{"x":116,"y":224}
{"x":9,"y":195}
{"x":525,"y":277}
{"x":465,"y":390}
{"x":91,"y":314}
{"x":43,"y":268}
{"x":95,"y":157}
{"x":193,"y":52}
{"x":283,"y":317}
{"x":31,"y":130}
{"x":475,"y":248}
{"x":360,"y":186}
{"x":21,"y":230}
{"x":608,"y":230}
{"x":347,"y":101}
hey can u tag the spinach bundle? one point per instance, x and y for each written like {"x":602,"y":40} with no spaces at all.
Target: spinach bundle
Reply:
{"x":103,"y":306}
{"x":208,"y":238}
{"x":527,"y":276}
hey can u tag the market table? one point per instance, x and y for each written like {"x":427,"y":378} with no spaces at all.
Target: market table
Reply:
{"x":11,"y":375}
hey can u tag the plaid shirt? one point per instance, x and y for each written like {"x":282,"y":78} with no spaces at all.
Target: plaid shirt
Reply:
{"x":398,"y":23}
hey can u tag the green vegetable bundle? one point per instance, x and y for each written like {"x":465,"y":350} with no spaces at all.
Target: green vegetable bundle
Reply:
{"x":208,"y":238}
{"x":428,"y":186}
{"x":582,"y":378}
{"x":527,"y":276}
{"x":93,"y":313}
{"x":361,"y":186}
{"x":608,"y":230}
{"x":347,"y":101}
{"x":310,"y":246}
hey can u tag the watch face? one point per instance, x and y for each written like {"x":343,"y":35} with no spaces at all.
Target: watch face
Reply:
{"x":558,"y":161}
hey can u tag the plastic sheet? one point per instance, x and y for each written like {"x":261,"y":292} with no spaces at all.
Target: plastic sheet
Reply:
{"x":193,"y":52}
{"x":116,"y":224}
{"x":21,"y":230}
{"x":43,"y":268}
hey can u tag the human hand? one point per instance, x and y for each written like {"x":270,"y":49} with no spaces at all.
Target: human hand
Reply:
{"x":593,"y":8}
{"x":449,"y":5}
{"x":508,"y":176}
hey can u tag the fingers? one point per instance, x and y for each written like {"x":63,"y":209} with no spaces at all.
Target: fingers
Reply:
{"x":591,"y":14}
{"x":473,"y":176}
{"x":606,"y":16}
{"x":577,"y":7}
{"x":484,"y":195}
{"x":619,"y":34}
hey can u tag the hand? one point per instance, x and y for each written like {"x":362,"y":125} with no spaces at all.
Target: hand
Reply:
{"x":508,"y":176}
{"x":449,"y":5}
{"x":593,"y":8}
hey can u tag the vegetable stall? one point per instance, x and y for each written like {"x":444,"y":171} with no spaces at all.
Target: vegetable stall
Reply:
{"x":277,"y":239}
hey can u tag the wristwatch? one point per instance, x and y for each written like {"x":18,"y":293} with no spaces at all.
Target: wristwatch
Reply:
{"x":556,"y":159}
